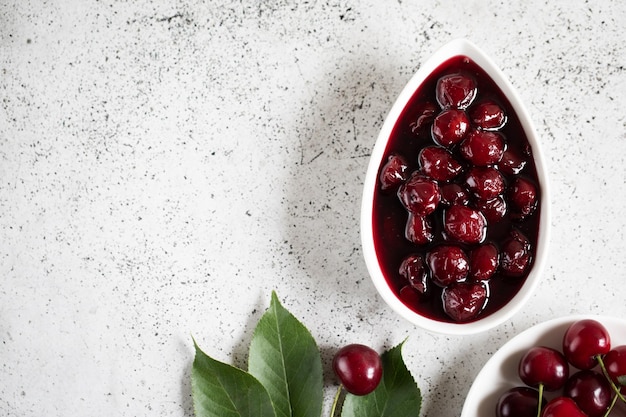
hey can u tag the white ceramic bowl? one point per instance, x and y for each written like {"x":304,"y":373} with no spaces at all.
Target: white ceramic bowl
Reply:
{"x":452,"y":49}
{"x":500,"y":372}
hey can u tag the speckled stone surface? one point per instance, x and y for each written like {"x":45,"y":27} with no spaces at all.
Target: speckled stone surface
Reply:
{"x":165,"y":165}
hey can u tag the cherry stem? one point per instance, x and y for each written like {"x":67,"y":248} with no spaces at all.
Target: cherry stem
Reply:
{"x":606,"y":374}
{"x":336,"y":400}
{"x":539,"y":400}
{"x":608,"y":411}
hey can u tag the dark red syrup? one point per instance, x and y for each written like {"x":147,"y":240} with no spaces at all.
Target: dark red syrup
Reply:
{"x":413,"y":132}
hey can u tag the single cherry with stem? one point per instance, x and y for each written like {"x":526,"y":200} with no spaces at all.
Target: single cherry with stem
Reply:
{"x":359,"y":369}
{"x":542,"y":367}
{"x":584,"y":342}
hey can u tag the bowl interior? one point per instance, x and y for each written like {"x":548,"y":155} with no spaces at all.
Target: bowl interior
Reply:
{"x":453,"y":49}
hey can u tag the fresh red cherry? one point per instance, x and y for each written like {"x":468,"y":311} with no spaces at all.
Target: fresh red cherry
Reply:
{"x":455,"y":91}
{"x":523,"y":197}
{"x":448,"y":264}
{"x":562,"y":407}
{"x":419,"y":229}
{"x":485,"y":183}
{"x":419,"y":194}
{"x":511,"y":163}
{"x":484,"y":261}
{"x":494,"y":210}
{"x":543,"y":366}
{"x":482,"y":148}
{"x":394,"y":172}
{"x":488,"y":115}
{"x":464,"y":224}
{"x":424,"y":115}
{"x":591,"y":392}
{"x":453,"y":193}
{"x":516,"y":254}
{"x":464,"y":301}
{"x":359,"y":368}
{"x":519,"y":402}
{"x":583,"y":341}
{"x":413,"y":269}
{"x":450,"y":127}
{"x":615,"y":364}
{"x":439,"y":164}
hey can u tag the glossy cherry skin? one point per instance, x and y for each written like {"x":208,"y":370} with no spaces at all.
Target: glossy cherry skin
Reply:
{"x":359,"y":368}
{"x":394,"y":172}
{"x":438,"y":163}
{"x":583,"y":341}
{"x":562,"y":407}
{"x":511,"y":163}
{"x":464,"y":224}
{"x":516,"y":254}
{"x":518,"y":402}
{"x":419,"y":194}
{"x":615,"y":363}
{"x":545,"y":366}
{"x":453,"y":193}
{"x":485,"y":182}
{"x":414,"y":270}
{"x":419,"y":229}
{"x":448,"y":264}
{"x":483,"y":148}
{"x":450,"y":127}
{"x":488,"y":115}
{"x":484,"y":261}
{"x":591,"y":391}
{"x":455,"y":91}
{"x":494,"y":210}
{"x":464,"y":301}
{"x":523,"y":197}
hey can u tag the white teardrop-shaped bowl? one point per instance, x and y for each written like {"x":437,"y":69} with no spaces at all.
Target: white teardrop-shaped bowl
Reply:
{"x":455,"y":48}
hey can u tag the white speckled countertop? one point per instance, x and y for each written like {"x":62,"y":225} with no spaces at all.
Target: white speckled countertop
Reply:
{"x":165,"y":165}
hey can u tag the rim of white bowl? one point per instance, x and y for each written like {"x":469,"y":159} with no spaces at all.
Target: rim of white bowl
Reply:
{"x":455,"y":48}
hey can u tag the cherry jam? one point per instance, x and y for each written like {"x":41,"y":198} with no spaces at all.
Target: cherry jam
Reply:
{"x":458,"y":177}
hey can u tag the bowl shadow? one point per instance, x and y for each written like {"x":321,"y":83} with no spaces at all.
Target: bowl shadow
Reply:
{"x":336,"y":132}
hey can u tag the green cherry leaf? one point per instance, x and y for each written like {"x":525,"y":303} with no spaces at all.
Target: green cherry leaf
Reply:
{"x":286,"y":360}
{"x":622,"y":380}
{"x":221,"y":390}
{"x":397,"y":395}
